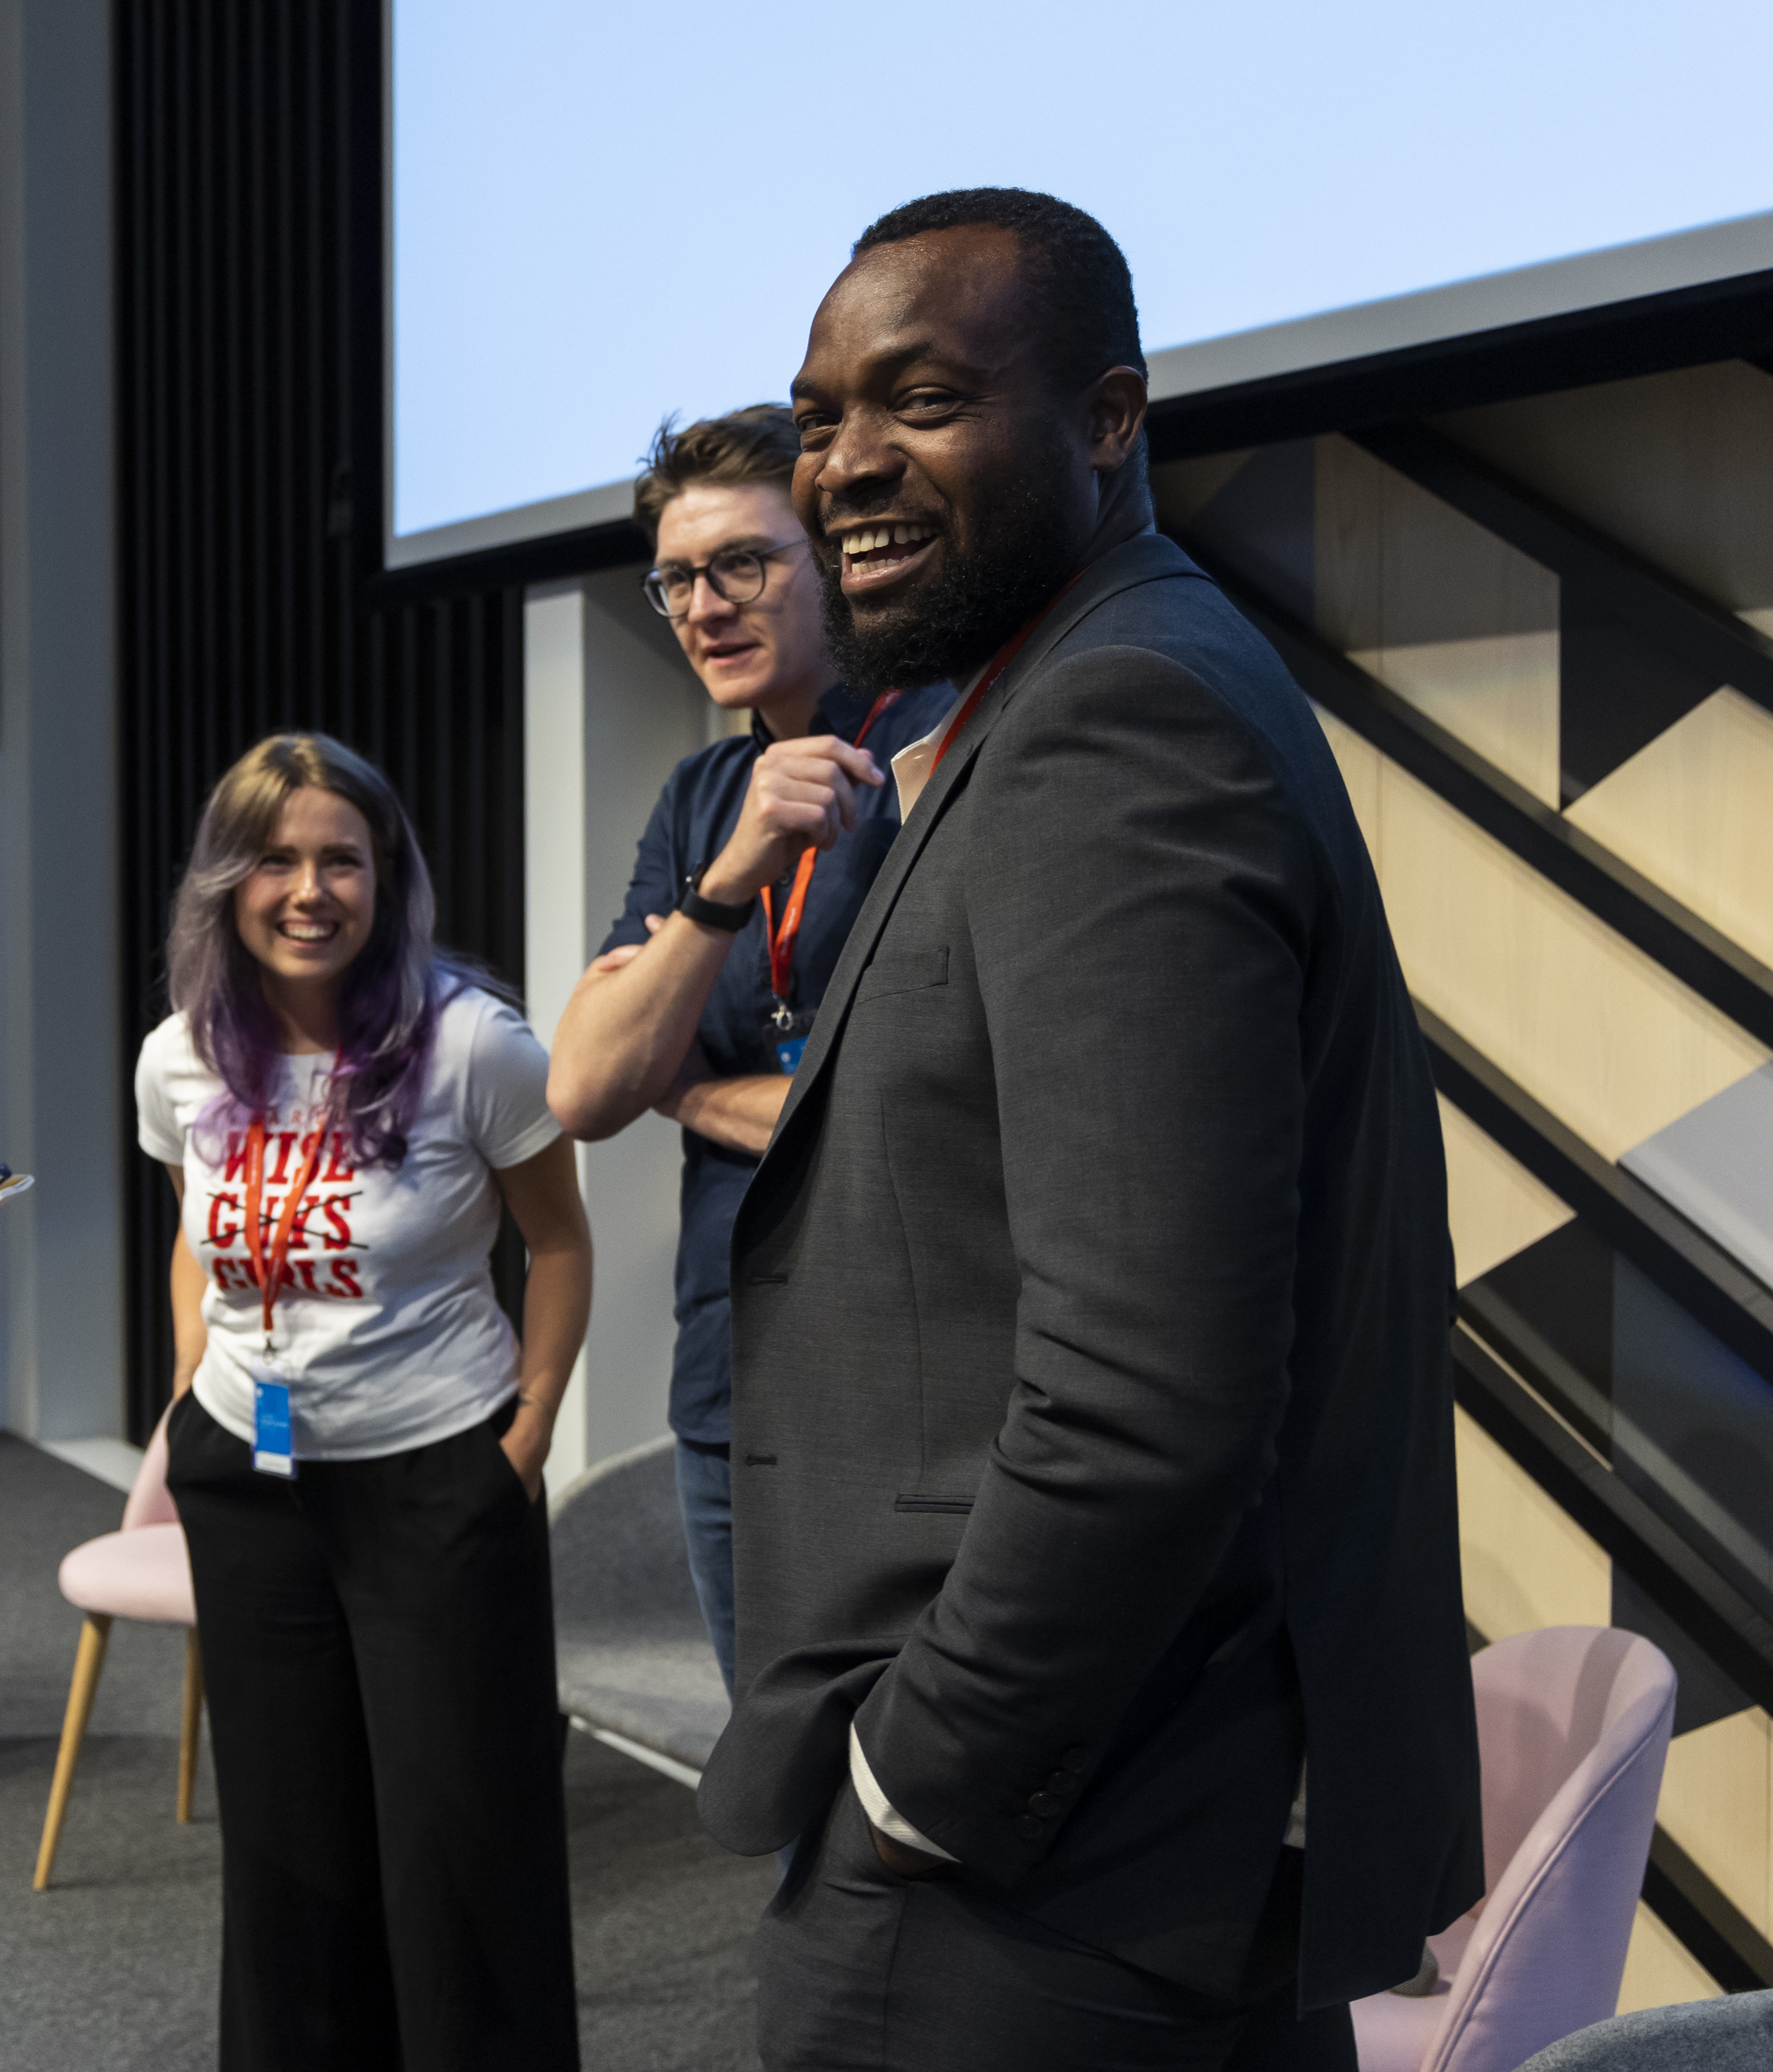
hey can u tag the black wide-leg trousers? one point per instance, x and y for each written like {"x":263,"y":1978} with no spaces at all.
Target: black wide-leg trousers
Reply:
{"x":378,"y":1652}
{"x":861,"y":1970}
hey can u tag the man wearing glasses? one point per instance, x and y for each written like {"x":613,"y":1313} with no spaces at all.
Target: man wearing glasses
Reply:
{"x":755,"y":864}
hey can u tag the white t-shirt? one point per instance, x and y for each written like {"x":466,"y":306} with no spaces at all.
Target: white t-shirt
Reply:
{"x":387,"y":1328}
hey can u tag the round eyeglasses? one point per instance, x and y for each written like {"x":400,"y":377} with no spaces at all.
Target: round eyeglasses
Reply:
{"x":737,"y":574}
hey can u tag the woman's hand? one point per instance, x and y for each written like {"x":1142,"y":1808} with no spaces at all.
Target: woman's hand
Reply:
{"x":526,"y":1443}
{"x":543,"y":1196}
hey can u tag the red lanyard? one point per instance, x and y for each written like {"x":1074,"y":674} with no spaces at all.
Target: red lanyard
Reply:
{"x":999,"y":662}
{"x":782,"y":941}
{"x":270,"y":1266}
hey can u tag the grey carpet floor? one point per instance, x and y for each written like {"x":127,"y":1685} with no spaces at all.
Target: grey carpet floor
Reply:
{"x":115,"y":1967}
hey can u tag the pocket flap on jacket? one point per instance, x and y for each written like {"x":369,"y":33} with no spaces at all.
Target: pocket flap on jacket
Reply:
{"x":902,"y":971}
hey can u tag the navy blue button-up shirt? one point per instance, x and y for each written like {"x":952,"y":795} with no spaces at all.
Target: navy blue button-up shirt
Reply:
{"x":694,"y":819}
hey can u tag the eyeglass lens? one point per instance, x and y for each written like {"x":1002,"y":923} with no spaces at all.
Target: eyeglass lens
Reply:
{"x":735,"y":574}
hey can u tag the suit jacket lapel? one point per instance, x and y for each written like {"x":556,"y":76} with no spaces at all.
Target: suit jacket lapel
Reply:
{"x":1145,"y":559}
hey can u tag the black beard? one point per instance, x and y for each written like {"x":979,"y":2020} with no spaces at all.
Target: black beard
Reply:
{"x":956,"y":624}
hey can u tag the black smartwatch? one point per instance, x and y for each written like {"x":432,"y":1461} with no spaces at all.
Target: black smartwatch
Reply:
{"x":711,"y":913}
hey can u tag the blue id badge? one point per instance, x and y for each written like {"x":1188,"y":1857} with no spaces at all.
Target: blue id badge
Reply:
{"x":273,"y":1453}
{"x":788,"y":1053}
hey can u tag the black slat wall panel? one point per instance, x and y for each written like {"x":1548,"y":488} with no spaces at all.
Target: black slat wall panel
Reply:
{"x":248,"y":314}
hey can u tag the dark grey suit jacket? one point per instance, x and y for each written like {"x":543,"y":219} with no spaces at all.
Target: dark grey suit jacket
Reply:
{"x":1092,"y":1428}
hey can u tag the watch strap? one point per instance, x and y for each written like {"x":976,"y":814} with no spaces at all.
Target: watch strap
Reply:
{"x":712,"y":913}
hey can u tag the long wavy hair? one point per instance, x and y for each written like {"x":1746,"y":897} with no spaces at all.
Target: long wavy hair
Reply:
{"x":394,"y":988}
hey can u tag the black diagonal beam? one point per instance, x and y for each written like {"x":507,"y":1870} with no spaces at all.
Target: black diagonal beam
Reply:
{"x":1658,"y":606}
{"x":1706,"y":1607}
{"x":1717,"y":1933}
{"x":1700,"y":956}
{"x":1707,"y":1283}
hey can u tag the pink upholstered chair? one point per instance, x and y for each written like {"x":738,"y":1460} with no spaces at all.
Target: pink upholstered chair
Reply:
{"x":140,"y":1571}
{"x":1573,"y":1724}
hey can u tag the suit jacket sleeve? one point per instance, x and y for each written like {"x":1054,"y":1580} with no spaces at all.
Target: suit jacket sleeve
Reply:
{"x":1140,"y":895}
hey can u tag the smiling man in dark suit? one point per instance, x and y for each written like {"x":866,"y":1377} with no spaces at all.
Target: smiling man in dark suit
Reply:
{"x":1092,"y":1455}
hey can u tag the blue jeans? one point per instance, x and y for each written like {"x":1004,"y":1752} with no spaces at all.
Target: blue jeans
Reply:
{"x":705,"y":1496}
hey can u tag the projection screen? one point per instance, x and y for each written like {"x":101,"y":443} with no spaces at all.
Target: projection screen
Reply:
{"x":599,"y":216}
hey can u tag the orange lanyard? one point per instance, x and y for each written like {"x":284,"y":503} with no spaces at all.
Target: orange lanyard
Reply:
{"x":999,"y":662}
{"x":782,"y":940}
{"x":270,"y":1265}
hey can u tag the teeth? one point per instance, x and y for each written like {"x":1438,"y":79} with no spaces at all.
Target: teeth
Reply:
{"x":871,"y":538}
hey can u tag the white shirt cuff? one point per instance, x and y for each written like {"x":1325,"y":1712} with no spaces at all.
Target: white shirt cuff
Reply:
{"x":1294,"y":1836}
{"x":874,"y":1803}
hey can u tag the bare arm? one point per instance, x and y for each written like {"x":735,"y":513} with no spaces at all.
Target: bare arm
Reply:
{"x":628,"y":1029}
{"x":544,"y":1202}
{"x":628,"y":1025}
{"x":189,"y":1335}
{"x":739,"y":1114}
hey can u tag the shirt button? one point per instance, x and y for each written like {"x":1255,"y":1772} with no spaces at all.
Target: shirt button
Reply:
{"x":1030,"y":1829}
{"x":1044,"y":1804}
{"x":1075,"y":1760}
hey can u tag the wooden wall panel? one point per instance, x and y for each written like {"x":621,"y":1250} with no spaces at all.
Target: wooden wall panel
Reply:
{"x":1182,"y":488}
{"x":1441,"y":611}
{"x":1363,"y":772}
{"x":1694,"y":813}
{"x":1495,"y":1206}
{"x":1584,"y":1021}
{"x":1678,"y":467}
{"x":1718,"y":1804}
{"x":1681,"y":469}
{"x":1526,"y":1564}
{"x":1660,"y":1971}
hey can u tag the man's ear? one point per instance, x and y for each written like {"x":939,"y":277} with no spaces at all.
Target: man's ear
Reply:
{"x":1116,"y":404}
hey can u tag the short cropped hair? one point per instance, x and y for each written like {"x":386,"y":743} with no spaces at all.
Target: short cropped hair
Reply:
{"x":757,"y":444}
{"x":1081,"y":283}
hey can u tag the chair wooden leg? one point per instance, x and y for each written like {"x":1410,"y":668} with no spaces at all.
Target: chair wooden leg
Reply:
{"x":190,"y":1721}
{"x":87,"y":1663}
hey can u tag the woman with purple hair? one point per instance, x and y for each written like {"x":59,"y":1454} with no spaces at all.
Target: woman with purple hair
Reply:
{"x":357,"y":1439}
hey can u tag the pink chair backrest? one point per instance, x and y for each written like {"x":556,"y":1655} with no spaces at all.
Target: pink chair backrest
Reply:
{"x":149,"y":1502}
{"x":1573,"y":1725}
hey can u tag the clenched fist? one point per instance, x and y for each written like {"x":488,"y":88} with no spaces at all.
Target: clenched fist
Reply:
{"x":802,"y":794}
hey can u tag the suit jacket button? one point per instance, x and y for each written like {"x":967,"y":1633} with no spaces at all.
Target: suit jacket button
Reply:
{"x":1075,"y":1760}
{"x":1030,"y":1829}
{"x":1044,"y":1804}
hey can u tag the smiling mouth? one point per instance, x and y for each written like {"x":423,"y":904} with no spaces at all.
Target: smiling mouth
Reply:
{"x":879,"y":553}
{"x":307,"y":932}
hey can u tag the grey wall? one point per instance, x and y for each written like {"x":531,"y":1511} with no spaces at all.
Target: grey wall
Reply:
{"x":61,"y":1103}
{"x":643,"y":711}
{"x":611,"y":705}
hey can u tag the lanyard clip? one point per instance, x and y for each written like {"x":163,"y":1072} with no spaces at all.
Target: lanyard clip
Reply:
{"x":783,"y":1016}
